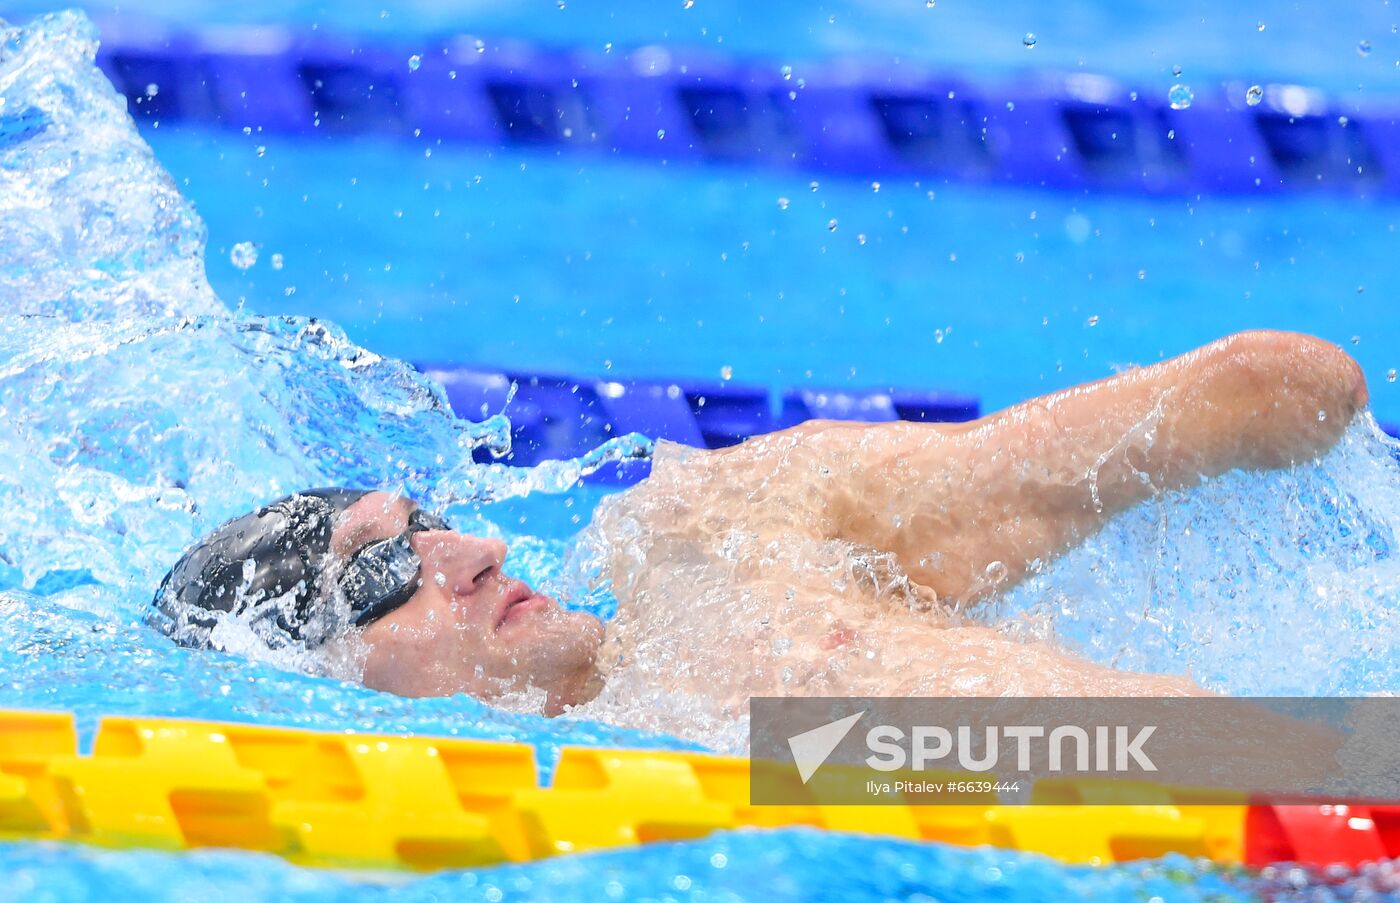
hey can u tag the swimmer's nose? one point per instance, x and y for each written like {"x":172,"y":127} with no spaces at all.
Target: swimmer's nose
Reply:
{"x":465,"y":561}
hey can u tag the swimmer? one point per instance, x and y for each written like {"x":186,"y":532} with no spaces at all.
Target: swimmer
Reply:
{"x":830,"y":558}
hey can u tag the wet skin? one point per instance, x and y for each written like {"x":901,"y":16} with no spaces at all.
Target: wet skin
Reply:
{"x":995,"y":495}
{"x":469,"y":627}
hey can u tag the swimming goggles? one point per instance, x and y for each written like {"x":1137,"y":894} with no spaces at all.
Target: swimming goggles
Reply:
{"x":382,"y":576}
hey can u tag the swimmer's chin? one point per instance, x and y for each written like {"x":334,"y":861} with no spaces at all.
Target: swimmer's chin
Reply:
{"x":346,"y":658}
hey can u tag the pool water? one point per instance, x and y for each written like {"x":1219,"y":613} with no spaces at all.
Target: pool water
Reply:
{"x":596,"y":267}
{"x":140,"y":412}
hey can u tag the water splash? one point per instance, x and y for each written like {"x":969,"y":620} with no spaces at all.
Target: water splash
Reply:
{"x":139,"y":413}
{"x":75,"y":241}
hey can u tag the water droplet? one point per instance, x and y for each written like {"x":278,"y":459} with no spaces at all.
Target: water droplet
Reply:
{"x":1092,"y":321}
{"x":1176,"y":70}
{"x":414,"y":62}
{"x":152,"y":89}
{"x":244,"y":254}
{"x":261,"y":149}
{"x":1180,"y":97}
{"x":726,"y":373}
{"x":813,"y":185}
{"x":479,"y":45}
{"x":1254,"y":95}
{"x":786,"y":72}
{"x":660,"y":133}
{"x":278,"y":261}
{"x":1363,"y":48}
{"x":1390,"y":375}
{"x":831,"y":225}
{"x":783,"y":203}
{"x":1029,"y":40}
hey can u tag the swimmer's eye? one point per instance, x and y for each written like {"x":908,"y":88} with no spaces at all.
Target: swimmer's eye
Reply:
{"x":383,"y":574}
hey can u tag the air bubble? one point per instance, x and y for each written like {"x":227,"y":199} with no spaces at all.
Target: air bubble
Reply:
{"x":875,"y":187}
{"x":813,"y":185}
{"x":1010,"y":106}
{"x":930,"y":4}
{"x":1321,"y":416}
{"x":1390,"y":375}
{"x":1260,"y":27}
{"x":278,"y":261}
{"x":1363,"y":48}
{"x":152,"y":89}
{"x":783,"y":203}
{"x":440,"y":578}
{"x":688,"y":4}
{"x":1029,"y":40}
{"x":1180,"y":96}
{"x":726,"y":373}
{"x":831,"y":225}
{"x":1092,"y":321}
{"x":1254,"y":95}
{"x":786,"y":72}
{"x":860,"y":239}
{"x":244,"y":255}
{"x":261,"y":149}
{"x":414,"y":62}
{"x":660,"y":133}
{"x":479,"y":45}
{"x":1176,"y":70}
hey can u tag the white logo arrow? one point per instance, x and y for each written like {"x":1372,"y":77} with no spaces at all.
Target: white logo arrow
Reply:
{"x":810,"y":748}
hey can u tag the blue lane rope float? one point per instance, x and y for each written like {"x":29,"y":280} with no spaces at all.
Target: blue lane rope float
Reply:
{"x":563,"y":417}
{"x":1074,"y":130}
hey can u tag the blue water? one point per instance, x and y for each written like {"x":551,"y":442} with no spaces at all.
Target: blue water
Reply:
{"x":797,"y":865}
{"x":139,"y":413}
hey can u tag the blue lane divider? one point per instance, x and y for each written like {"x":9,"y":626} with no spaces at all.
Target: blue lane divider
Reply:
{"x":1069,"y":130}
{"x":561,"y":417}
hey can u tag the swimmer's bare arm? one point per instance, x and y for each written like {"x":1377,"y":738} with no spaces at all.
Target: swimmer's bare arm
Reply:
{"x":968,"y":508}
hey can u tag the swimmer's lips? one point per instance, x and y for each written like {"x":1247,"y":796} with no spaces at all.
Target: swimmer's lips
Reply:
{"x":518,"y":601}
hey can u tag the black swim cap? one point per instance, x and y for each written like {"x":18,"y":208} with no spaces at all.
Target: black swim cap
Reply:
{"x":261,"y":567}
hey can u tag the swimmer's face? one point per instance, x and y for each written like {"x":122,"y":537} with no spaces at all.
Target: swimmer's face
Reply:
{"x":468,"y":628}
